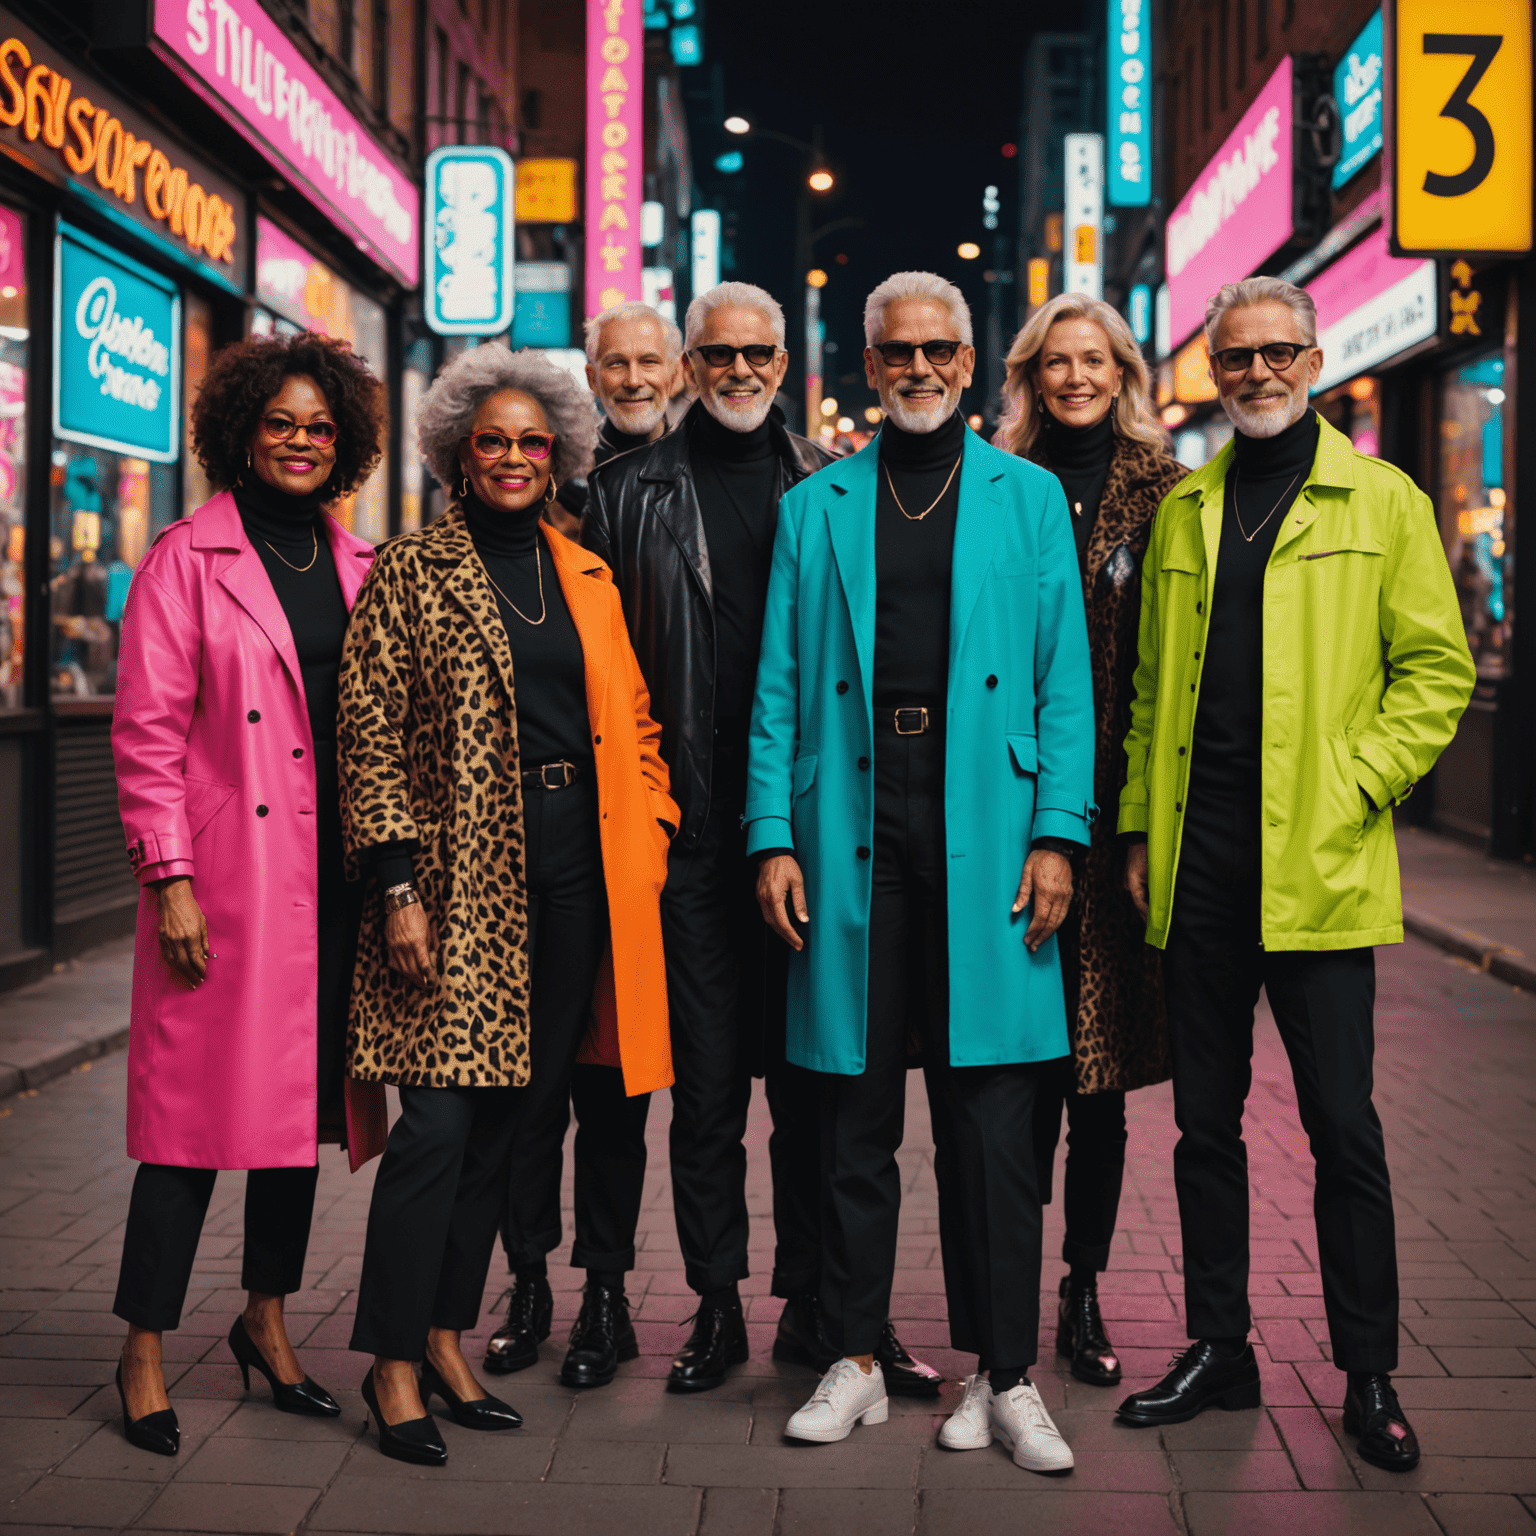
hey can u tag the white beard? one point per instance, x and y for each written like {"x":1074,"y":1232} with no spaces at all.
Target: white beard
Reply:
{"x":1265,"y":423}
{"x":629,"y":418}
{"x":921,"y":421}
{"x":739,"y":418}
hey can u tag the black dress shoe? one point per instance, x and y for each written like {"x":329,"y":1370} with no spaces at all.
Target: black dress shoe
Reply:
{"x":157,"y":1432}
{"x":602,"y":1337}
{"x":800,"y":1339}
{"x":307,"y":1397}
{"x":488,"y":1413}
{"x":515,"y":1345}
{"x":718,"y":1341}
{"x":1201,"y":1378}
{"x":904,"y":1376}
{"x":418,"y":1441}
{"x":1374,"y":1416}
{"x":1080,"y":1336}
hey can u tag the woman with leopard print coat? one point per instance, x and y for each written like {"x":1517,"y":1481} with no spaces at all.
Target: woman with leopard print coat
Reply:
{"x":503,"y":786}
{"x":1079,"y":405}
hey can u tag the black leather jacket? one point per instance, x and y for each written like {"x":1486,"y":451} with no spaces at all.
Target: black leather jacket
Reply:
{"x":643,"y":518}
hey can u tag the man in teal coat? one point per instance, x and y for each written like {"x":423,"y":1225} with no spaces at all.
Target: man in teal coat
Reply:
{"x":921,"y":766}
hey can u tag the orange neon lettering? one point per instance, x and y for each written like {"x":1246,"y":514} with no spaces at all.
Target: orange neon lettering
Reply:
{"x":155,"y":174}
{"x":12,"y":113}
{"x":80,"y":160}
{"x":108,"y":164}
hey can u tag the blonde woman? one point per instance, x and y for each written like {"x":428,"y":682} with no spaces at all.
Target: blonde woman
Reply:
{"x":1079,"y":404}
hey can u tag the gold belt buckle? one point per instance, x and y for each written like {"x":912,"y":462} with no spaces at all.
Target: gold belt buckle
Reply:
{"x":566,"y":775}
{"x":923,"y":723}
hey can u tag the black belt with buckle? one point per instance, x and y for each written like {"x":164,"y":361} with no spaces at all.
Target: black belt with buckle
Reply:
{"x":558,"y":775}
{"x":911,"y":722}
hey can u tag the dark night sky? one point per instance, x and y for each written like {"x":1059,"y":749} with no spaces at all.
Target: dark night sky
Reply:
{"x":915,"y":99}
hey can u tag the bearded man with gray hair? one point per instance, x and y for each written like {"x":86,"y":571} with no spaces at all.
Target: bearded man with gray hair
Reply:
{"x":687,"y":526}
{"x":1302,"y":664}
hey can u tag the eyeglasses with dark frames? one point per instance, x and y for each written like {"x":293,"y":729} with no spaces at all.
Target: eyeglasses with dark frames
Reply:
{"x":898,"y":354}
{"x":280,"y":428}
{"x":719,"y":355}
{"x":488,"y":446}
{"x":1277,"y":355}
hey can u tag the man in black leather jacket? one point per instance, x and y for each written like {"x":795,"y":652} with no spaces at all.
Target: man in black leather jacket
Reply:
{"x":687,"y":526}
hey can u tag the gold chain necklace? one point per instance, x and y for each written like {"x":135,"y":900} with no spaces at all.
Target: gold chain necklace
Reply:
{"x":289,"y":563}
{"x":936,"y":500}
{"x":1236,"y":512}
{"x":538,"y":560}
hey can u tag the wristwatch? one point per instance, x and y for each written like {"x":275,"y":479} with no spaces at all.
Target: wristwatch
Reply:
{"x":398,"y":896}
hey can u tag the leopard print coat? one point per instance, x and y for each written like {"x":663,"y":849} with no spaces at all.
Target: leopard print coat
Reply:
{"x":427,"y":735}
{"x":1120,"y":1034}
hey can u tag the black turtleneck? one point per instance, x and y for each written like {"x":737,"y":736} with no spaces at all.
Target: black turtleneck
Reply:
{"x":1079,"y":457}
{"x":612,"y":441}
{"x":548,"y":667}
{"x":1264,"y":479}
{"x":736,"y":477}
{"x":913,"y":562}
{"x":288,"y":535}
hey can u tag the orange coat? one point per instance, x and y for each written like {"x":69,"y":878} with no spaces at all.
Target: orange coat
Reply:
{"x":632,"y":792}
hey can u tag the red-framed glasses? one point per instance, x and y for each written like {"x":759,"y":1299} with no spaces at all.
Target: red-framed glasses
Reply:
{"x":490,"y":445}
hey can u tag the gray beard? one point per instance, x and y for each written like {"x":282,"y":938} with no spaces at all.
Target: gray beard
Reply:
{"x":921,"y":422}
{"x":637,"y":426}
{"x":737,"y":418}
{"x":1263,"y":424}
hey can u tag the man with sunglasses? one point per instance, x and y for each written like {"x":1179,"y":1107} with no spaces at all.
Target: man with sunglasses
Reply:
{"x":1302,"y":665}
{"x":687,"y":526}
{"x":922,"y":765}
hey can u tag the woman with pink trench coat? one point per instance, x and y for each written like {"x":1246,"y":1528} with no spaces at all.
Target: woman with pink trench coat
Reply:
{"x":224,"y":739}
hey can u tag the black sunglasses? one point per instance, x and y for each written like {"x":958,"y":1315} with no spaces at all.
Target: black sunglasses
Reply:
{"x":718,"y":355}
{"x":898,"y":354}
{"x":1279,"y":355}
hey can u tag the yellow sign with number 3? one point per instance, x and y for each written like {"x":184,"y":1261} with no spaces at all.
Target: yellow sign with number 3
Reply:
{"x":1462,"y":142}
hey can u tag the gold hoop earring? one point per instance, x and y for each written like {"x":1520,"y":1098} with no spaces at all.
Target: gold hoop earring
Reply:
{"x":549,"y":491}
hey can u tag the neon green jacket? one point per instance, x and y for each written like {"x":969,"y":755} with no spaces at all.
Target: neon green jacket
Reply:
{"x":1366,"y":672}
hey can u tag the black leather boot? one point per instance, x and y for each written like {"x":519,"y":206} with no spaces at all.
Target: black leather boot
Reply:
{"x":603,"y":1335}
{"x":1202,"y":1377}
{"x":904,"y":1376}
{"x":1081,"y":1338}
{"x":515,"y":1345}
{"x":718,"y":1341}
{"x":800,"y":1340}
{"x":1374,"y":1416}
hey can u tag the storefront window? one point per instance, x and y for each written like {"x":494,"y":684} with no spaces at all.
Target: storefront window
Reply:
{"x":13,"y":456}
{"x":1471,"y":507}
{"x":1355,"y":409}
{"x":195,"y":485}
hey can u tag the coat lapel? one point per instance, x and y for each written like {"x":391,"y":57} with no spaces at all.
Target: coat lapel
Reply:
{"x":582,"y":577}
{"x":850,"y":513}
{"x":352,"y":559}
{"x":978,"y":527}
{"x":465,"y":582}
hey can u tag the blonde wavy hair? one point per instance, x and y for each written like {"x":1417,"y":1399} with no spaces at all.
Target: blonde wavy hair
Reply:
{"x":1134,"y":416}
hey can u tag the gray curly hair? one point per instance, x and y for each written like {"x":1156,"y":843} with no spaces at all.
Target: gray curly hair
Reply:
{"x":465,"y":384}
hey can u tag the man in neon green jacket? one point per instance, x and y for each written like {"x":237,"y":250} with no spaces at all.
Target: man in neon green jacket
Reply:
{"x":1302,"y":665}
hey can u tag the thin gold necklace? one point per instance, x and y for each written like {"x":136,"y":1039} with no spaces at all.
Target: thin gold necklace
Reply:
{"x":936,"y":500}
{"x":538,"y":560}
{"x":289,"y":563}
{"x":1237,"y":513}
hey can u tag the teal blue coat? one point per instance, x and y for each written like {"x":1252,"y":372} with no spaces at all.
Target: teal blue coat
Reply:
{"x":1018,"y":752}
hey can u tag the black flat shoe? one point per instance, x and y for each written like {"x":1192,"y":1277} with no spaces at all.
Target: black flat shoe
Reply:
{"x":488,"y":1413}
{"x":418,"y":1441}
{"x":1201,"y":1378}
{"x":307,"y":1397}
{"x":718,"y":1341}
{"x":603,"y":1336}
{"x":158,"y":1432}
{"x":515,"y":1345}
{"x":1080,"y":1336}
{"x":904,"y":1376}
{"x":1374,"y":1416}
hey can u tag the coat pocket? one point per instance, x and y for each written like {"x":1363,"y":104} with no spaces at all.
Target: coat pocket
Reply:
{"x":803,"y":775}
{"x":1024,"y":750}
{"x":203,"y":801}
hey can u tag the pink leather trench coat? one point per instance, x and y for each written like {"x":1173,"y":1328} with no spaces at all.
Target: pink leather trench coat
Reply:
{"x":215,"y":781}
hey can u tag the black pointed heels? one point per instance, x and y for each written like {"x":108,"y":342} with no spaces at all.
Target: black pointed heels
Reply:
{"x":305,"y":1397}
{"x":418,"y":1441}
{"x":157,"y":1432}
{"x":1080,"y":1336}
{"x":488,"y":1413}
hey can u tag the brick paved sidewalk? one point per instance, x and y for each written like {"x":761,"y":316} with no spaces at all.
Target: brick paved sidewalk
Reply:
{"x":1456,"y":1073}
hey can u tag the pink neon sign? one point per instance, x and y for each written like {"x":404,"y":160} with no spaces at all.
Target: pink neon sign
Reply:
{"x":1238,"y":213}
{"x":234,"y":54}
{"x":615,"y":152}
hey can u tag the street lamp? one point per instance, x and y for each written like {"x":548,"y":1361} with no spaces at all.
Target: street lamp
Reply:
{"x":737,"y":125}
{"x":820,"y":181}
{"x":968,"y":250}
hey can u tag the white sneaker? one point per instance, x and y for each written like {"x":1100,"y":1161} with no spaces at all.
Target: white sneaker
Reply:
{"x":845,"y":1397}
{"x":1020,"y":1421}
{"x":969,"y":1427}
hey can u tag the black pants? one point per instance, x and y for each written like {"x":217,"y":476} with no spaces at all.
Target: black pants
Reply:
{"x":442,"y":1185}
{"x":725,"y":988}
{"x":984,"y":1158}
{"x":165,"y":1220}
{"x":1323,"y":1003}
{"x":568,"y":932}
{"x":1095,"y":1161}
